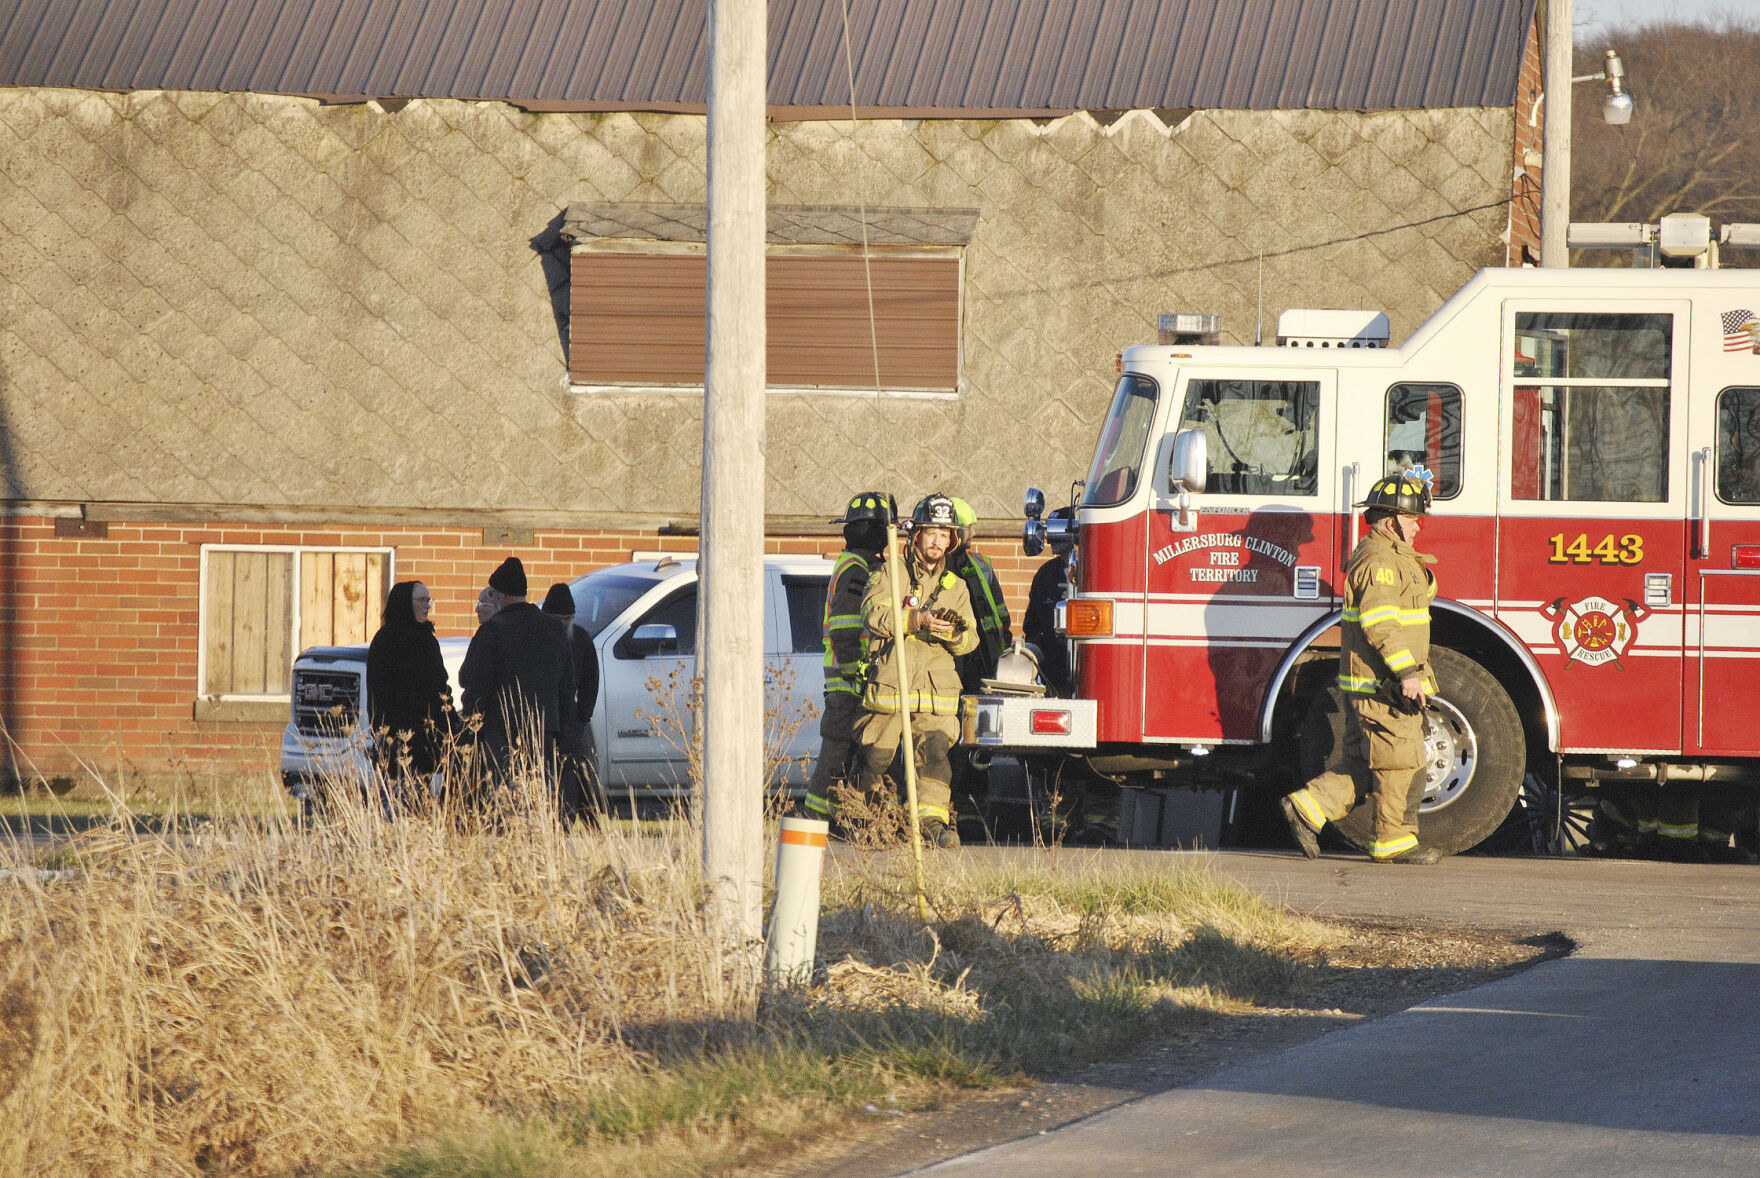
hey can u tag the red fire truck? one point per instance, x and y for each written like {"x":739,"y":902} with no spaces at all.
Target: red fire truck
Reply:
{"x":1593,"y":439}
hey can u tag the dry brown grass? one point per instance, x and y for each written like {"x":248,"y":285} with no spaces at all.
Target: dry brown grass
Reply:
{"x":260,"y":997}
{"x":471,"y":993}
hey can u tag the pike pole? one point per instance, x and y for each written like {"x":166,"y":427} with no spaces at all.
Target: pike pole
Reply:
{"x":894,"y":599}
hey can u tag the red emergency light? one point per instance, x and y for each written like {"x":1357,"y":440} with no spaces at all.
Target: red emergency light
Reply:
{"x":1744,"y":556}
{"x":1049,"y":723}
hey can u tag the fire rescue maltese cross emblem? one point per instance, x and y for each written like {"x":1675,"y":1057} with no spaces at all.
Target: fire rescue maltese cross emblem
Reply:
{"x":1594,"y":630}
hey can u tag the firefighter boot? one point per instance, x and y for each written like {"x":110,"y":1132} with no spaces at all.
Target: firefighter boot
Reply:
{"x":1298,"y":829}
{"x":1414,"y":797}
{"x":939,"y":834}
{"x":1424,"y":856}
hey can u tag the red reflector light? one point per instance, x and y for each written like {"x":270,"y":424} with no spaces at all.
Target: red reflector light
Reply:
{"x":1745,"y":556}
{"x":1051,"y":723}
{"x":1091,"y":618}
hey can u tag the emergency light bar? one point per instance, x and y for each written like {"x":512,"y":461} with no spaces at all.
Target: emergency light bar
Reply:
{"x":1189,"y":327}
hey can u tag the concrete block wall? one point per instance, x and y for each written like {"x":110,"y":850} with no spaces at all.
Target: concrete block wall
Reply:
{"x":251,"y":299}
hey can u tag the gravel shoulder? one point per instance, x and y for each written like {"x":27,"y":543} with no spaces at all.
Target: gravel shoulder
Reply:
{"x":1385,"y":966}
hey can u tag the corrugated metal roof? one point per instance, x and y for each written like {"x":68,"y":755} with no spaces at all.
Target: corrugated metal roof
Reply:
{"x":786,"y":224}
{"x":919,"y":56}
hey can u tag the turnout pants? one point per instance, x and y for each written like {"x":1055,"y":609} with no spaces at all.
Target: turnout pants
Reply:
{"x":837,"y":739}
{"x":932,"y":736}
{"x":1383,"y":756}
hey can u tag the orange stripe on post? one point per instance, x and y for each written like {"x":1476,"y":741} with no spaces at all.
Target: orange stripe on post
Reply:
{"x":804,"y":838}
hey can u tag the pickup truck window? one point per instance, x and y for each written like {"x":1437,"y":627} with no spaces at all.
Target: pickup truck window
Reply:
{"x":806,"y":612}
{"x":602,"y":596}
{"x":678,"y":611}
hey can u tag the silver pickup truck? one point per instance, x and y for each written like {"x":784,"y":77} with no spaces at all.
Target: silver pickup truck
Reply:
{"x":643,"y":619}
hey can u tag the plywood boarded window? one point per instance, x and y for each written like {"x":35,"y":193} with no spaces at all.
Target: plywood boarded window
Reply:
{"x":245,"y":632}
{"x":262,"y":606}
{"x":341,"y":597}
{"x":637,"y":319}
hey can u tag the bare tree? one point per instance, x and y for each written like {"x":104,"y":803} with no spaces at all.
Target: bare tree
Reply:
{"x":1693,"y":145}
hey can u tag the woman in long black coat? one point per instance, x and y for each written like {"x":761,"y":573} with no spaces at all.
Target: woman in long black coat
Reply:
{"x":409,"y":702}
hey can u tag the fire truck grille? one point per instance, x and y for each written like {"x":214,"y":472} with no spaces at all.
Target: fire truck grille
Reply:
{"x":326,"y":703}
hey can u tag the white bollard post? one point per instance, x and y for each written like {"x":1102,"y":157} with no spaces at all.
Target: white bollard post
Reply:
{"x":794,"y":921}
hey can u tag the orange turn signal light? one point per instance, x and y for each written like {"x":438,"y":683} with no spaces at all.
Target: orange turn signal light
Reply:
{"x":1087,"y":618}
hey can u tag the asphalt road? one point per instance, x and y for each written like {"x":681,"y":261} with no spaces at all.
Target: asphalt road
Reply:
{"x":1638,"y":1054}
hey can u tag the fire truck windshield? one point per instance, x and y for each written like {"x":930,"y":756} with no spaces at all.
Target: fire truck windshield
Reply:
{"x":1118,"y":459}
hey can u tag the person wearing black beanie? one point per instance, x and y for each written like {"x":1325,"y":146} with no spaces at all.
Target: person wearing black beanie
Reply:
{"x":578,"y":793}
{"x":559,"y":602}
{"x":409,"y":702}
{"x":509,"y":579}
{"x":516,"y":678}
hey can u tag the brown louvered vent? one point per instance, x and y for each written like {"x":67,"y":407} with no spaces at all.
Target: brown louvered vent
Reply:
{"x":638,"y":319}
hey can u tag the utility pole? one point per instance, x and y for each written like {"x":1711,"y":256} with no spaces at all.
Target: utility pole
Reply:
{"x":730,"y":601}
{"x":1555,"y":142}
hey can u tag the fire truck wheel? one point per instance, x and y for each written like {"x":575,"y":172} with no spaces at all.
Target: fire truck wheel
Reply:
{"x":1476,"y":757}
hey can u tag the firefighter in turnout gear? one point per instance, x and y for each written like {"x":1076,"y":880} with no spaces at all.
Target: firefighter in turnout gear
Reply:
{"x":1384,"y":674}
{"x":938,"y":628}
{"x":846,"y":643}
{"x":988,"y":604}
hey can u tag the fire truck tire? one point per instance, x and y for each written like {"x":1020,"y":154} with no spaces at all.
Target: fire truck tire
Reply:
{"x":1477,"y":754}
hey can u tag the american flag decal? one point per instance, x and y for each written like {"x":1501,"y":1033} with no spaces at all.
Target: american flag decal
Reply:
{"x":1736,"y":334}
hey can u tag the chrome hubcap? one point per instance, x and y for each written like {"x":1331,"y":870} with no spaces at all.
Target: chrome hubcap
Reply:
{"x":1451,"y":753}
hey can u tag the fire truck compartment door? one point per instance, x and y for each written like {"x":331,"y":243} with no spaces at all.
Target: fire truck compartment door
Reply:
{"x":1723,"y":560}
{"x":1728,"y":668}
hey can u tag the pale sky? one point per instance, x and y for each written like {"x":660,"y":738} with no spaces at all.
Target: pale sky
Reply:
{"x":1591,"y":17}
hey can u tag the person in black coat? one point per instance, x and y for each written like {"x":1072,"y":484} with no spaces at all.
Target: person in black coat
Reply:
{"x":517,"y":675}
{"x":409,"y":702}
{"x":1050,"y":586}
{"x":577,"y":793}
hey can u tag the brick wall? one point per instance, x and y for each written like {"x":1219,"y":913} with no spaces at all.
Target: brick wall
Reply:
{"x":1524,"y":205}
{"x":99,"y":635}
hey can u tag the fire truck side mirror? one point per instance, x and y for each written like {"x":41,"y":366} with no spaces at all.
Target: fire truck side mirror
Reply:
{"x":1033,"y":534}
{"x":1191,"y":461}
